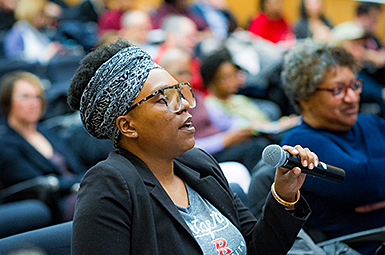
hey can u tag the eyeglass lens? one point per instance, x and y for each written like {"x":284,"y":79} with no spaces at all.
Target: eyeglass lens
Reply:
{"x":355,"y":86}
{"x":26,"y":97}
{"x":173,"y":98}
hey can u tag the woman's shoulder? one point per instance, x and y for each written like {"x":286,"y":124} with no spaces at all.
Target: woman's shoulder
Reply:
{"x":302,"y":134}
{"x":114,"y":161}
{"x":18,"y":29}
{"x":114,"y":169}
{"x":259,"y":17}
{"x":8,"y":135}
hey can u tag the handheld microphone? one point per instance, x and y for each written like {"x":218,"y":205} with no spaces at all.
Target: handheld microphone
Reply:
{"x":273,"y":155}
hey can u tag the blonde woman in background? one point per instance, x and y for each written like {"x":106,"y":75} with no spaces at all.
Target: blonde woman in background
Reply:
{"x":25,"y":40}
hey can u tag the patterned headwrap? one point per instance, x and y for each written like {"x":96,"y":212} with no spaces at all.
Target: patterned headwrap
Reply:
{"x":112,"y":90}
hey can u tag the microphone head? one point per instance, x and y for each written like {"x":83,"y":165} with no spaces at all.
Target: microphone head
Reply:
{"x":273,"y":155}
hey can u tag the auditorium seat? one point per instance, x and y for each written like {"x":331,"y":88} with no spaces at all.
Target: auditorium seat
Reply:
{"x":21,"y":216}
{"x":10,"y":65}
{"x":52,"y":240}
{"x":62,"y":68}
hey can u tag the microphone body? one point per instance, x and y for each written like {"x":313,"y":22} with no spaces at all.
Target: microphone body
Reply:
{"x":273,"y":155}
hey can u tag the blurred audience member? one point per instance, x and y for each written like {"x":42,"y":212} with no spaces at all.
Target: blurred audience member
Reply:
{"x":270,"y":24}
{"x":78,"y":23}
{"x":180,"y":7}
{"x":181,"y":33}
{"x":322,"y":82}
{"x":313,"y":23}
{"x":236,"y":113}
{"x":177,"y":62}
{"x":7,"y":14}
{"x":261,"y":60}
{"x":106,"y":38}
{"x":219,"y":18}
{"x":136,"y":25}
{"x":351,"y":36}
{"x":88,"y":149}
{"x":29,"y":151}
{"x":25,"y":39}
{"x":111,"y":18}
{"x":7,"y":18}
{"x":86,"y":10}
{"x":368,"y":16}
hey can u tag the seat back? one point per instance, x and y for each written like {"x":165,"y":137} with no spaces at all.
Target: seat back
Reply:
{"x":63,"y":68}
{"x":8,"y":65}
{"x":52,"y":240}
{"x":21,"y":216}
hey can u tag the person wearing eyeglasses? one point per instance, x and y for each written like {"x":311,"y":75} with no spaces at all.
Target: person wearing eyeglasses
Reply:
{"x":30,"y":150}
{"x":322,"y":81}
{"x":157,"y":194}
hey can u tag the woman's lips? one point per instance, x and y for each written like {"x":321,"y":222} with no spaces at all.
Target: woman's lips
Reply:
{"x":351,"y":110}
{"x":187,"y":125}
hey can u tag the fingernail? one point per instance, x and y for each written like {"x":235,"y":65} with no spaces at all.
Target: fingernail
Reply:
{"x":305,"y":163}
{"x":311,"y":166}
{"x":294,"y":150}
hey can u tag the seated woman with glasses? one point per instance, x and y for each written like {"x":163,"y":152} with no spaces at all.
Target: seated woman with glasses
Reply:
{"x":321,"y":81}
{"x":29,"y":150}
{"x":156,"y":194}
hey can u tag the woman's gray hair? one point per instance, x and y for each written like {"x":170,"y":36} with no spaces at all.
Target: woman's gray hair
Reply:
{"x":307,"y":64}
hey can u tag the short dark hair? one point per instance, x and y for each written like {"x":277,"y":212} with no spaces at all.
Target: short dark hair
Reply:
{"x":210,"y":64}
{"x":7,"y":85}
{"x":365,"y":8}
{"x":88,"y":67}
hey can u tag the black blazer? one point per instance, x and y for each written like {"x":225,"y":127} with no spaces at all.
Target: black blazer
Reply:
{"x":123,"y":209}
{"x":20,"y":161}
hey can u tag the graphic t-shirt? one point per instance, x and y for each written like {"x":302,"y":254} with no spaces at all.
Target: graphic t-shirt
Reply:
{"x":212,"y":230}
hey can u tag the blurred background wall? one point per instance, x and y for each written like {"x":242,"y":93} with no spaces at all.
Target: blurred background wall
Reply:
{"x":336,"y":10}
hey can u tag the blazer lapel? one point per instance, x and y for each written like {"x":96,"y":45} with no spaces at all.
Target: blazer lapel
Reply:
{"x":155,"y":189}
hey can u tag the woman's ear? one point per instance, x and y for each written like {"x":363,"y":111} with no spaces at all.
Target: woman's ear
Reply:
{"x":125,"y":127}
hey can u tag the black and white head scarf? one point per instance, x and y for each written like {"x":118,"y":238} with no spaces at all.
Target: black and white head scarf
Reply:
{"x":112,"y":89}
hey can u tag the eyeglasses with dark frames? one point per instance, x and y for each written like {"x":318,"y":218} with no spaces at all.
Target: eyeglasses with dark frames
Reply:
{"x":340,"y":90}
{"x":173,"y":95}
